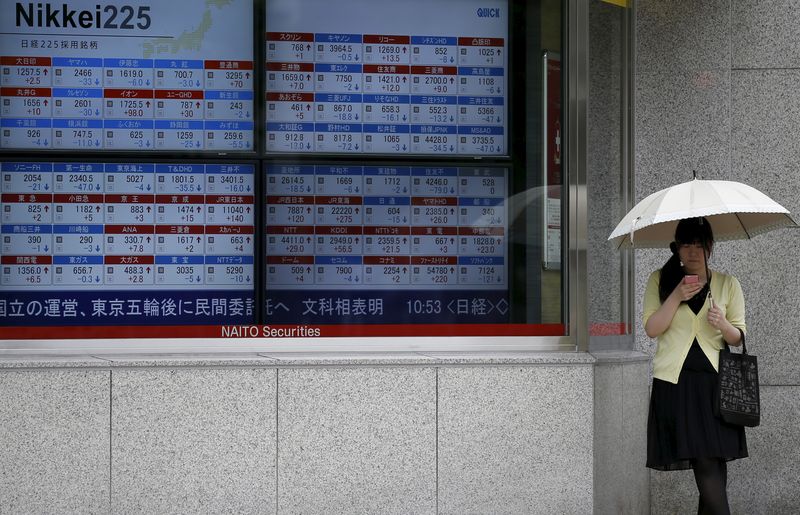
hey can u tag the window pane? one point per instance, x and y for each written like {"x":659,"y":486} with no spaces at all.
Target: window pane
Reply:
{"x":419,"y":237}
{"x":406,"y":174}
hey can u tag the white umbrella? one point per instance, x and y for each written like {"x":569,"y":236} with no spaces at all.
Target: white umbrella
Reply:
{"x":735,"y":211}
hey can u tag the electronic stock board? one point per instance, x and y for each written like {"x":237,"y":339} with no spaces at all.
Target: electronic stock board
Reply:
{"x":417,"y":77}
{"x":131,"y":75}
{"x":126,"y":243}
{"x":387,"y":244}
{"x":391,"y":243}
{"x":149,"y":242}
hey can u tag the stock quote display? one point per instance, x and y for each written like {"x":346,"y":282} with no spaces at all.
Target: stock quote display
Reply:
{"x":415,"y":77}
{"x":147,"y":76}
{"x":93,"y":243}
{"x":386,"y":244}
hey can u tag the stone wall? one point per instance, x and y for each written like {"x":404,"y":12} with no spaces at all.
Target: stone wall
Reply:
{"x":718,"y":91}
{"x":406,"y":433}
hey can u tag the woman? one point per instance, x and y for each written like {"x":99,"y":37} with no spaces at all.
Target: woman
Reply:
{"x":682,"y":430}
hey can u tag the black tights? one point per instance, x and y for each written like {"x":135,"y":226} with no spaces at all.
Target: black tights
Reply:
{"x":711,"y":476}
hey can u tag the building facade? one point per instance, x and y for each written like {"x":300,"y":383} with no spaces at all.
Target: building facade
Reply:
{"x":425,"y":422}
{"x":713,"y":94}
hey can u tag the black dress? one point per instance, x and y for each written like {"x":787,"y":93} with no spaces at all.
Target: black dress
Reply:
{"x":682,"y":425}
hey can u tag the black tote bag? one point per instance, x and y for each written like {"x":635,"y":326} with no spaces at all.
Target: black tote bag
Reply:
{"x":737,"y":398}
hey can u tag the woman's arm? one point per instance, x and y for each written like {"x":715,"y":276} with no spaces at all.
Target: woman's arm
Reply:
{"x":730,"y":333}
{"x":731,"y":324}
{"x":661,"y":319}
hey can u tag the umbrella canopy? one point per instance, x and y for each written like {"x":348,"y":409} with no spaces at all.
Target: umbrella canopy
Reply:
{"x":735,"y":211}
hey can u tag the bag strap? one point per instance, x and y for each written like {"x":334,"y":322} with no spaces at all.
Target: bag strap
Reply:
{"x":744,"y":345}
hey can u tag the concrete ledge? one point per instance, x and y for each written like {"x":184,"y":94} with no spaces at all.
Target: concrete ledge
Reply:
{"x":35,"y":361}
{"x":617,"y":356}
{"x":19,"y":361}
{"x":512,"y":358}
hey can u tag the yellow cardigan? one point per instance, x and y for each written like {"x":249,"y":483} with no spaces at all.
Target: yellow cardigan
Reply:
{"x":675,"y":342}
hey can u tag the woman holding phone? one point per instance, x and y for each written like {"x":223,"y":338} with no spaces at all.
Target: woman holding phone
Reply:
{"x":691,"y":314}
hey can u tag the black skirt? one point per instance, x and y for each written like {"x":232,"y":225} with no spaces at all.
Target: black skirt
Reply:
{"x":682,"y":425}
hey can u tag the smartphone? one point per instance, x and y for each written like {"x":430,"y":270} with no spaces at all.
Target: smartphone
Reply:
{"x":690,"y":279}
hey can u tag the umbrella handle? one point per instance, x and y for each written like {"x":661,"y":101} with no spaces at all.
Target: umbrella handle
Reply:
{"x":705,"y":262}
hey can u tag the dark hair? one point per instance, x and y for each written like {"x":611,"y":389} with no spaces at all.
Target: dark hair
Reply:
{"x":688,"y":231}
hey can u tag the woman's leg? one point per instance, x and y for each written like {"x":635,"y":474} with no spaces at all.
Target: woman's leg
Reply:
{"x":711,"y":476}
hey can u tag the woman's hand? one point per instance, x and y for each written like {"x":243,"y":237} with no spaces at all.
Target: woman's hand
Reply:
{"x":662,"y":318}
{"x":685,"y":291}
{"x":717,"y":320}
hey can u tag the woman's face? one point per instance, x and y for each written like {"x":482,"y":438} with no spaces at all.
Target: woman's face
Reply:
{"x":691,"y":255}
